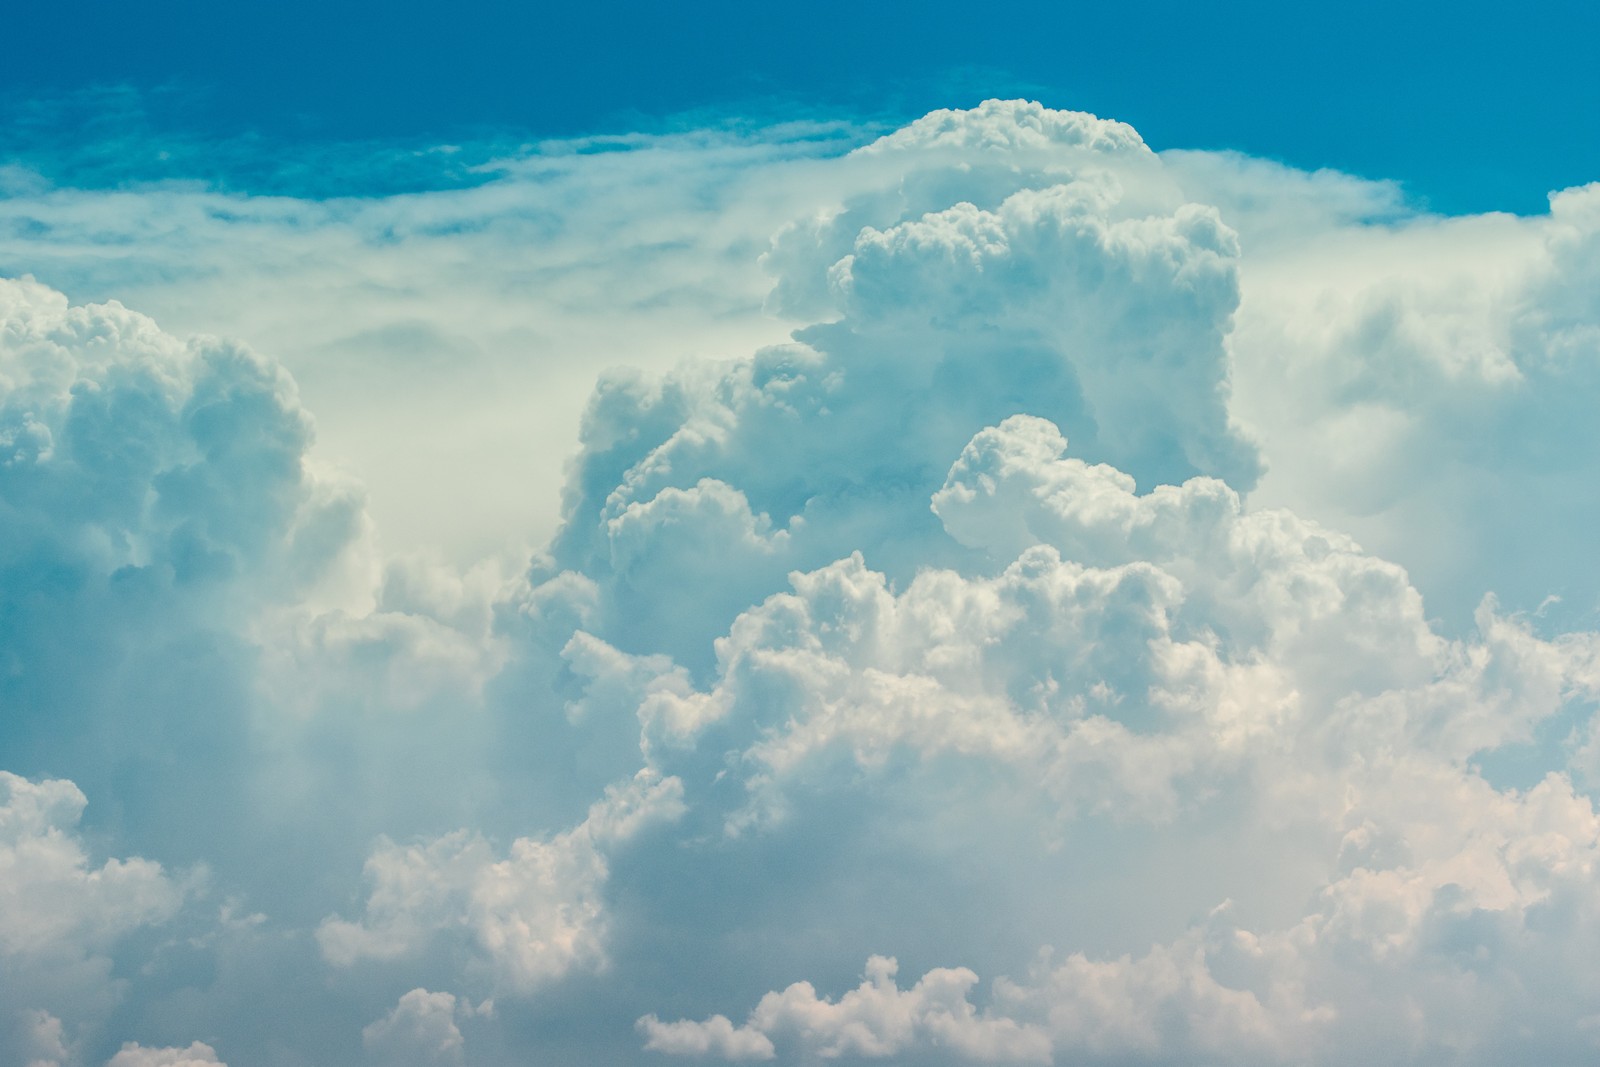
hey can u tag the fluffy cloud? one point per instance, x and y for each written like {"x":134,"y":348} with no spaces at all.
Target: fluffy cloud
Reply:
{"x":1466,"y":947}
{"x":61,"y":916}
{"x":196,"y":1055}
{"x":530,"y":917}
{"x":1127,"y":648}
{"x":35,"y":1038}
{"x":1422,"y":387}
{"x":421,"y":1031}
{"x":874,"y":1020}
{"x":181,"y":460}
{"x":155,"y":504}
{"x":1149,"y":651}
{"x":54,"y":899}
{"x":1077,"y":302}
{"x":1071,"y":578}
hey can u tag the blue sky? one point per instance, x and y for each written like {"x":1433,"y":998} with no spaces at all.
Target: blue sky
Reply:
{"x":1474,"y":106}
{"x":645,"y":537}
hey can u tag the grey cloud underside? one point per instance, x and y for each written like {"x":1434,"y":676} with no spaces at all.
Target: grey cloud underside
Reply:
{"x":935,"y":688}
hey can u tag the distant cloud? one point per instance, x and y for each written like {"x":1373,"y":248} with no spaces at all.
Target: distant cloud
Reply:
{"x":535,"y":915}
{"x":874,"y":1020}
{"x":196,"y":1055}
{"x":421,"y":1031}
{"x":60,"y":915}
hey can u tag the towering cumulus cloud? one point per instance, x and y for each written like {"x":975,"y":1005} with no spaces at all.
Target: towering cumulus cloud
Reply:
{"x":1066,"y":297}
{"x":951,"y":684}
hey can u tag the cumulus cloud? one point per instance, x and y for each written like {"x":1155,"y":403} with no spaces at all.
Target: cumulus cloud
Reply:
{"x":1197,"y":650}
{"x":184,"y":458}
{"x":1125,"y":649}
{"x":1067,"y":302}
{"x":1465,"y":948}
{"x":1420,"y":386}
{"x":155,"y":505}
{"x":874,"y":1020}
{"x":35,"y":1038}
{"x":1071,"y":577}
{"x":55,"y":899}
{"x":530,"y":917}
{"x":136,"y":1055}
{"x":61,"y":916}
{"x":421,"y":1031}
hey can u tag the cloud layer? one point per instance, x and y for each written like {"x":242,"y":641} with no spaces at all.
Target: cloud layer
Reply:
{"x":1113,"y":628}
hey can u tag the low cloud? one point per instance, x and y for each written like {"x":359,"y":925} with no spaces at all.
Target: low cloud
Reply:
{"x":196,"y":1055}
{"x":530,"y":917}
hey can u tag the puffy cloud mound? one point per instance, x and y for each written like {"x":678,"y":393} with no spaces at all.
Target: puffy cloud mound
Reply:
{"x":964,"y":630}
{"x":55,"y":901}
{"x":37,"y":1039}
{"x":529,"y":918}
{"x":1125,"y":649}
{"x":421,"y":1031}
{"x":130,"y":453}
{"x":1171,"y":657}
{"x":1426,"y":387}
{"x":992,"y":653}
{"x":155,"y":504}
{"x":874,"y":1020}
{"x":1010,"y":127}
{"x":196,"y":1055}
{"x":1060,"y":294}
{"x":61,"y":916}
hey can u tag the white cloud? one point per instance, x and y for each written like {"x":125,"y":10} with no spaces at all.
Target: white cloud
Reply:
{"x":139,"y":450}
{"x":908,"y":672}
{"x":35,"y":1038}
{"x":874,"y":1020}
{"x":136,"y":1055}
{"x":62,"y":915}
{"x":716,"y":1036}
{"x":55,"y":900}
{"x":531,"y":917}
{"x":1421,"y":385}
{"x":1466,"y":943}
{"x":421,"y":1031}
{"x":1127,"y":649}
{"x":1145,"y":655}
{"x":1071,"y":296}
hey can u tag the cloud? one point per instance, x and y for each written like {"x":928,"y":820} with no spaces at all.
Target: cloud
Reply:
{"x":421,"y":1031}
{"x":1068,"y":302}
{"x":1135,"y":676}
{"x":1057,"y":611}
{"x":1126,"y":649}
{"x":874,"y":1020}
{"x":35,"y":1038}
{"x":54,"y":897}
{"x":530,"y":917}
{"x":1432,"y":956}
{"x":61,"y":916}
{"x":154,"y":494}
{"x":135,"y":1055}
{"x":1419,"y":384}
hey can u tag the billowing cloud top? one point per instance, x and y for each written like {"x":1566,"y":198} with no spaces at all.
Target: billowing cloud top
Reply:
{"x":1112,"y":629}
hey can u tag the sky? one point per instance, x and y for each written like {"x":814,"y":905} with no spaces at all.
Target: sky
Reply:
{"x":631,"y":535}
